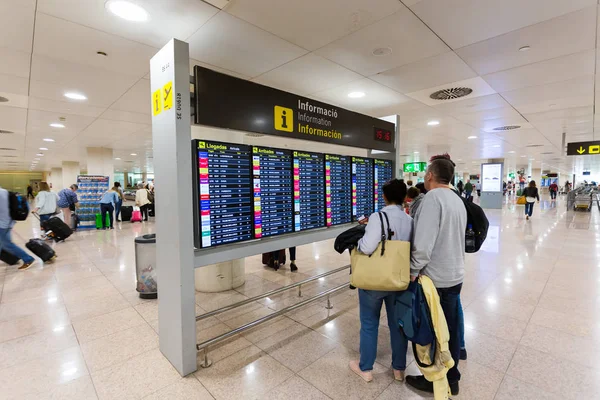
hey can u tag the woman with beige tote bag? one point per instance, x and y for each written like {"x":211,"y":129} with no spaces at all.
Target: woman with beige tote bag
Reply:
{"x":394,"y":242}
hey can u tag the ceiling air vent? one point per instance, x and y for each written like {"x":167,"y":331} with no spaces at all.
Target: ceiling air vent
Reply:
{"x":3,"y":132}
{"x":451,"y":93}
{"x":6,"y":149}
{"x":535,"y":145}
{"x":507,"y":127}
{"x":547,"y":152}
{"x":254,"y":134}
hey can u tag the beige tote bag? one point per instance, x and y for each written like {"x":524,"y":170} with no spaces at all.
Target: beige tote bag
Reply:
{"x":387,"y":269}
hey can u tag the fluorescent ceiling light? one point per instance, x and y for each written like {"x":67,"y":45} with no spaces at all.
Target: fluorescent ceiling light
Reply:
{"x":511,"y":152}
{"x":75,"y":96}
{"x":48,"y":140}
{"x":433,"y":123}
{"x":43,"y":148}
{"x":133,"y":154}
{"x":416,"y":152}
{"x":117,"y":158}
{"x":356,"y":95}
{"x":524,"y":48}
{"x":127,"y":10}
{"x":39,"y":155}
{"x":472,"y":137}
{"x":56,"y":125}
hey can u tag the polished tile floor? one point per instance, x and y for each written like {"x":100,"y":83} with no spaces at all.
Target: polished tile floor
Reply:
{"x":76,"y":329}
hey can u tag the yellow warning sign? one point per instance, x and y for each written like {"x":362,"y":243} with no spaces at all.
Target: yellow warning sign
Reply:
{"x":168,"y":96}
{"x":156,"y":102}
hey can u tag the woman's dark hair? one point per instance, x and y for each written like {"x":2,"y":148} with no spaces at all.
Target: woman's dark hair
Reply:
{"x":117,"y":184}
{"x":532,"y":184}
{"x":421,"y":187}
{"x":412,"y":193}
{"x":395,"y":191}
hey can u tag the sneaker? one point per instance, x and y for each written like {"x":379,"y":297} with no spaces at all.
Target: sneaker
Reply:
{"x":454,"y":388}
{"x":26,"y":265}
{"x":276,"y":265}
{"x":366,"y":375}
{"x":420,"y":383}
{"x":463,"y":354}
{"x":398,"y":375}
{"x":527,"y":217}
{"x":293,"y":266}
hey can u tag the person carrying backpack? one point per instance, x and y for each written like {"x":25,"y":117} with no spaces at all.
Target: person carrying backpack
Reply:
{"x":6,"y":225}
{"x":468,"y":190}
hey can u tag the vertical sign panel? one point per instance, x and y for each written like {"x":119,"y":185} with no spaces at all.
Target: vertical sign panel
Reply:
{"x":225,"y":190}
{"x":273,"y":191}
{"x":363,"y":187}
{"x":338,"y":185}
{"x":309,"y":190}
{"x":383,"y":172}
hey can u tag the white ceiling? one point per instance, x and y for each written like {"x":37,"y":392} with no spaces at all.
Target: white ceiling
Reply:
{"x":48,"y":47}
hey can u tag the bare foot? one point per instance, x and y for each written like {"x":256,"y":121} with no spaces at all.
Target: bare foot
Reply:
{"x":366,"y":375}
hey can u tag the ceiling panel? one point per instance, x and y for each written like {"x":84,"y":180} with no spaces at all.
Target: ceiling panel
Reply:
{"x":473,"y":104}
{"x":407,"y":37}
{"x":14,"y":62}
{"x":193,"y":63}
{"x":312,"y":24}
{"x":560,"y":114}
{"x":231,"y":43}
{"x":12,"y":85}
{"x":308,"y":74}
{"x":136,"y":99}
{"x":64,"y":107}
{"x":463,"y":22}
{"x":109,"y":130}
{"x":13,"y":119}
{"x":127,"y":116}
{"x":479,"y":88}
{"x":583,"y":86}
{"x":577,"y":34}
{"x":167,"y":19}
{"x":477,"y":119}
{"x":16,"y":22}
{"x":544,"y":105}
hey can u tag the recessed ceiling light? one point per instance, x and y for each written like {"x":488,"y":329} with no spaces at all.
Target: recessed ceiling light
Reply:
{"x":416,"y":152}
{"x":75,"y":96}
{"x":511,"y":152}
{"x":472,"y":137}
{"x":356,"y":95}
{"x":523,"y":156}
{"x":56,"y":125}
{"x":433,"y":123}
{"x":127,"y":10}
{"x":43,"y":148}
{"x":117,"y":158}
{"x":133,"y":154}
{"x":39,"y":155}
{"x":48,"y":140}
{"x":382,"y":51}
{"x":524,"y":48}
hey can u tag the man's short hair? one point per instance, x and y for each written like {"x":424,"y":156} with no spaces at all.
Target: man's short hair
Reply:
{"x":442,"y":168}
{"x":74,"y":187}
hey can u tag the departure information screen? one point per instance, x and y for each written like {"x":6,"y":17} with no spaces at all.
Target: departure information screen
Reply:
{"x":338,"y":185}
{"x":362,"y":187}
{"x":309,"y":190}
{"x":225,"y":192}
{"x":383,"y":172}
{"x":273,"y":191}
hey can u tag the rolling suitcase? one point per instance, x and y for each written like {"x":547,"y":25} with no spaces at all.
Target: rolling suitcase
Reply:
{"x":8,"y":258}
{"x":99,"y":221}
{"x":267,"y":259}
{"x":136,"y":216}
{"x":41,"y":249}
{"x":126,"y":212}
{"x":57,"y":229}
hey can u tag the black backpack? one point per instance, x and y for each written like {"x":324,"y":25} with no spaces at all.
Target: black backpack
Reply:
{"x":478,"y":221}
{"x":18,"y":207}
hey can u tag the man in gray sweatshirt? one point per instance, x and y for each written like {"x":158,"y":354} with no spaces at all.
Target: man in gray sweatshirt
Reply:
{"x":439,"y":252}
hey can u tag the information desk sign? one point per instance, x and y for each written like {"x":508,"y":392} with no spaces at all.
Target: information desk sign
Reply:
{"x":273,"y":191}
{"x":363,"y":184}
{"x":309,"y":190}
{"x":338,"y":185}
{"x":225,"y":190}
{"x":583,"y":148}
{"x":383,"y":173}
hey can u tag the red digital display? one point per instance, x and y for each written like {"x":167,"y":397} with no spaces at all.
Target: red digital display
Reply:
{"x":382,"y":135}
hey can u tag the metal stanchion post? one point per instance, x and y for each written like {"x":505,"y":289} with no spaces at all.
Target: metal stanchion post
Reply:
{"x":206,"y":362}
{"x":329,"y":306}
{"x":300,"y":291}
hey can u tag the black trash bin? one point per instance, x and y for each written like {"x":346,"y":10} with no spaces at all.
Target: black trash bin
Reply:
{"x":145,"y":266}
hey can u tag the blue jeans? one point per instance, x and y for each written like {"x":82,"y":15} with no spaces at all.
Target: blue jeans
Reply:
{"x":529,"y":208}
{"x":106,"y":208}
{"x":118,"y":209}
{"x":370,"y":310}
{"x":7,"y":245}
{"x":468,"y":195}
{"x":450,"y":302}
{"x":461,"y":324}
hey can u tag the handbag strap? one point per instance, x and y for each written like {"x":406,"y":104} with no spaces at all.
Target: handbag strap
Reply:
{"x":390,"y":233}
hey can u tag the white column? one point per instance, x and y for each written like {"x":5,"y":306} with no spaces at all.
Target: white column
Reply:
{"x":70,"y":170}
{"x":55,"y":179}
{"x":100,"y":162}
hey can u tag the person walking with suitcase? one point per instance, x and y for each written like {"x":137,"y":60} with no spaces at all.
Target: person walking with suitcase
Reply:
{"x":6,"y":225}
{"x":45,"y":204}
{"x":67,"y":199}
{"x":107,"y":205}
{"x":142,"y":201}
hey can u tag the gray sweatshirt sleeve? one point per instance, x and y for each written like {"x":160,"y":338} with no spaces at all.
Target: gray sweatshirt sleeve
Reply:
{"x":369,"y":242}
{"x":426,"y":229}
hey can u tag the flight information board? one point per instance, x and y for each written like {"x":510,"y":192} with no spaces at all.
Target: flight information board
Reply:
{"x":338,"y":183}
{"x":309,"y":190}
{"x":225,"y":192}
{"x":362,"y":187}
{"x":273,"y":191}
{"x":384,"y":170}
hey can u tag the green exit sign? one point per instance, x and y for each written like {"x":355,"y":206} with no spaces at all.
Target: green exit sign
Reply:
{"x":415,"y":167}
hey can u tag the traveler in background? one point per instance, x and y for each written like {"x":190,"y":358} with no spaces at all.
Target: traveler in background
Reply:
{"x":531,"y":194}
{"x":409,"y":184}
{"x":567,"y":187}
{"x":141,"y":200}
{"x":6,"y":224}
{"x":67,"y":200}
{"x":553,"y":190}
{"x":415,"y":197}
{"x":293,"y":266}
{"x":438,"y":252}
{"x":29,"y":192}
{"x":509,"y":187}
{"x":371,"y":301}
{"x":107,"y":206}
{"x":522,"y":184}
{"x":421,"y":187}
{"x":119,"y":203}
{"x":461,"y":187}
{"x":45,"y":203}
{"x":468,"y":190}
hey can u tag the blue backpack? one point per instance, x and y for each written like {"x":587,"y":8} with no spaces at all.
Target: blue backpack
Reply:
{"x":17,"y":204}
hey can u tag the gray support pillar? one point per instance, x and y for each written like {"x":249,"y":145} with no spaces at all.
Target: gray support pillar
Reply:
{"x":171,"y":133}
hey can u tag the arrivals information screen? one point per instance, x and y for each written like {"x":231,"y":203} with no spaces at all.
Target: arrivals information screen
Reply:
{"x":338,"y":187}
{"x":225,"y":192}
{"x":309,"y":190}
{"x":383,"y":173}
{"x":362,"y":187}
{"x":273,"y":191}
